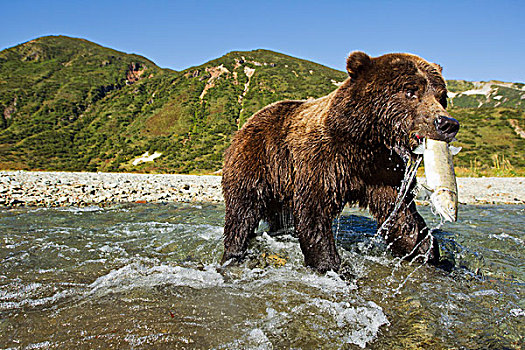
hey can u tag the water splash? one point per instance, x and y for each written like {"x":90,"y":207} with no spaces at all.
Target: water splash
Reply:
{"x":404,"y":190}
{"x":406,"y":183}
{"x":338,"y":220}
{"x":410,"y":175}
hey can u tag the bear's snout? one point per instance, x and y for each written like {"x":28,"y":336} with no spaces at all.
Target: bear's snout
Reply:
{"x":446,"y":127}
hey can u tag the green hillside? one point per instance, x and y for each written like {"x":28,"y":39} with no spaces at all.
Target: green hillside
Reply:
{"x":484,"y":94}
{"x":491,"y":142}
{"x":69,"y":104}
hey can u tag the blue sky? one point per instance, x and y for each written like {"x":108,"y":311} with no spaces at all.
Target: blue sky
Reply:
{"x":472,"y":40}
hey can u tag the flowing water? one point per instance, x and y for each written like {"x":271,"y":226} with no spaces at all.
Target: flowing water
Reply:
{"x":147,"y":276}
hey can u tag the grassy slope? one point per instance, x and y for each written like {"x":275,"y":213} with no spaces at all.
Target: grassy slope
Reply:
{"x":49,"y":90}
{"x":491,"y":146}
{"x":69,"y":104}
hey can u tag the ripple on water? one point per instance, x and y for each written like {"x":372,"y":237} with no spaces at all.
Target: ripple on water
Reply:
{"x":139,"y":275}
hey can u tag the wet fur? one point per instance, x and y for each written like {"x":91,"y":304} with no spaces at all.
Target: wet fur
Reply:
{"x":310,"y":158}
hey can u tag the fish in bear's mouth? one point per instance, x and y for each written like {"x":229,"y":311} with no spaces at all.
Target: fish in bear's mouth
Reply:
{"x":407,"y":152}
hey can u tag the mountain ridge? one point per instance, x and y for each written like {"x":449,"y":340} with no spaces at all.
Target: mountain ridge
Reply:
{"x":62,"y":99}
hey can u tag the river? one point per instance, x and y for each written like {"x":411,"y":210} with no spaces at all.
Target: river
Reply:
{"x":148,"y":276}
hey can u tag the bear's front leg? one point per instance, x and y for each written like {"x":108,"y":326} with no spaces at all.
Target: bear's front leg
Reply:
{"x":406,"y":232}
{"x":314,"y":229}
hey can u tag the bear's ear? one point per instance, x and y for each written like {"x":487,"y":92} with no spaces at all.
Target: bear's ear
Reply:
{"x":357,"y":62}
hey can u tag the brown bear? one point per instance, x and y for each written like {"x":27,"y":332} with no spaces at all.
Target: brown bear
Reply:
{"x":307,"y":159}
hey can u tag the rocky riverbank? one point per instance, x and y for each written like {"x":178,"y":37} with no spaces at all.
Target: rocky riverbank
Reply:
{"x":22,"y":188}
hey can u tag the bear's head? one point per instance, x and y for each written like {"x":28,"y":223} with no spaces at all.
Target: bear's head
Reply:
{"x":403,"y":98}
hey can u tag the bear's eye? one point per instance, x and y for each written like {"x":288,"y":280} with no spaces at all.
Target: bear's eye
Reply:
{"x":411,"y":93}
{"x":443,"y":100}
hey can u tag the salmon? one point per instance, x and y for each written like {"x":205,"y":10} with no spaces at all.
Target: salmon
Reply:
{"x":440,"y":177}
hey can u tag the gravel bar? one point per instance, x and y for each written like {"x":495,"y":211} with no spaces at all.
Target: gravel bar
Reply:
{"x":51,"y":189}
